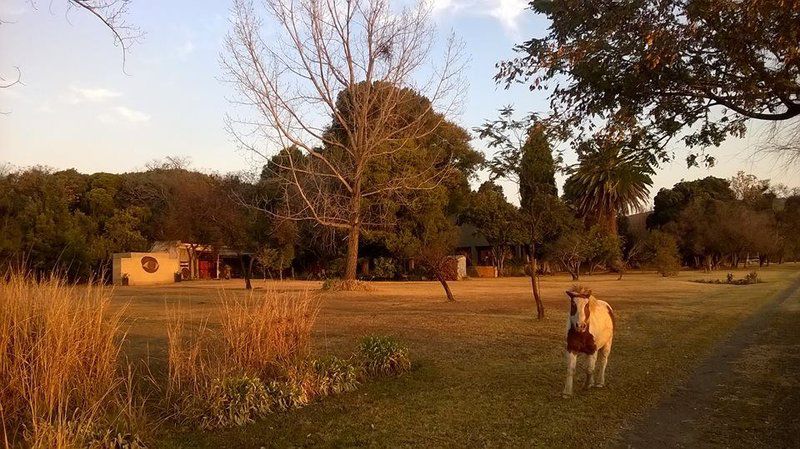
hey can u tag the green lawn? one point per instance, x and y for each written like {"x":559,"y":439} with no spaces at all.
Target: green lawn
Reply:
{"x":485,"y":372}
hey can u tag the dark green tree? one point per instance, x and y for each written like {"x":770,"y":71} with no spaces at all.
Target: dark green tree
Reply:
{"x":495,"y":219}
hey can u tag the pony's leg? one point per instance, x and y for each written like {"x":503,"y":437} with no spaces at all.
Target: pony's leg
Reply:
{"x":572,"y":360}
{"x":605,"y":351}
{"x":590,"y":363}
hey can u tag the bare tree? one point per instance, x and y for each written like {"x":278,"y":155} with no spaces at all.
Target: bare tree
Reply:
{"x":362,"y":65}
{"x":111,"y":13}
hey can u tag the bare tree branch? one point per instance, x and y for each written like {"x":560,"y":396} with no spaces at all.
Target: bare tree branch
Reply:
{"x":362,"y":66}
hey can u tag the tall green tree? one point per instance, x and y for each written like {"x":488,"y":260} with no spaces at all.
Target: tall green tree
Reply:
{"x":688,"y":69}
{"x":525,"y":157}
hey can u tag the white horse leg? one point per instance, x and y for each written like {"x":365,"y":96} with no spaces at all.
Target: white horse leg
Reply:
{"x":605,"y":351}
{"x":590,"y":363}
{"x":572,"y":360}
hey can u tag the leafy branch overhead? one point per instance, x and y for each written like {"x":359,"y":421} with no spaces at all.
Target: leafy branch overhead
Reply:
{"x":691,"y":70}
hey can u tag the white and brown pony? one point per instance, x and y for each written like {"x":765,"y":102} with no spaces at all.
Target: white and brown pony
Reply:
{"x":590,"y":331}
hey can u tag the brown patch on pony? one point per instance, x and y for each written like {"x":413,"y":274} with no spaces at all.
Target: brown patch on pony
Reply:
{"x":611,"y":314}
{"x":573,"y":309}
{"x":580,"y":342}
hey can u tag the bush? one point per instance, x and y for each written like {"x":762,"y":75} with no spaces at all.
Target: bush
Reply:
{"x":385,"y":268}
{"x":286,"y":395}
{"x":339,"y":285}
{"x":663,"y":254}
{"x":335,"y":375}
{"x":750,"y":278}
{"x":383,"y":355}
{"x":234,"y":401}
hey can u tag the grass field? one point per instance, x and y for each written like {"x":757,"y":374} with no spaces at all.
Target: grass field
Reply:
{"x":486,"y":373}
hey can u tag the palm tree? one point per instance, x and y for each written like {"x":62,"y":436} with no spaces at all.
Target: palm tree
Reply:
{"x":608,"y":180}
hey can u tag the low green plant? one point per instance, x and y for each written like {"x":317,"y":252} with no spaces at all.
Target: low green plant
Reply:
{"x":383,"y":355}
{"x":289,"y":394}
{"x":111,"y":439}
{"x":234,"y":401}
{"x":335,"y":375}
{"x":750,"y":278}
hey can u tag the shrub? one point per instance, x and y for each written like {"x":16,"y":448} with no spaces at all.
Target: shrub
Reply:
{"x":750,"y":278}
{"x":663,"y":253}
{"x":286,"y":395}
{"x":385,"y":268}
{"x":59,"y":347}
{"x":335,"y":375}
{"x":383,"y":355}
{"x":234,"y":401}
{"x":339,"y":285}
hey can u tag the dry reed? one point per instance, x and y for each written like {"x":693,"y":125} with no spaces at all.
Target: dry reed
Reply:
{"x":261,"y":335}
{"x":59,"y":346}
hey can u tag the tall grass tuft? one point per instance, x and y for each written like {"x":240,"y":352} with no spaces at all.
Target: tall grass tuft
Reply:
{"x":265,"y":334}
{"x":261,"y":339}
{"x":59,"y":350}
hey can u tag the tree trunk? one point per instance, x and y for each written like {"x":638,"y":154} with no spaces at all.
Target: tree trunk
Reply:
{"x":537,"y":297}
{"x":446,"y":287}
{"x":246,"y":271}
{"x":612,"y":223}
{"x":352,"y":253}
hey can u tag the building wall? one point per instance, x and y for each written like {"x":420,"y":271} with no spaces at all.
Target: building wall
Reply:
{"x":138,"y":266}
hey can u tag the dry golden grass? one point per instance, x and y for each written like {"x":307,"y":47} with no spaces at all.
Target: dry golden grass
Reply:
{"x":485,"y":371}
{"x":262,"y":335}
{"x":264,"y":332}
{"x":59,"y":351}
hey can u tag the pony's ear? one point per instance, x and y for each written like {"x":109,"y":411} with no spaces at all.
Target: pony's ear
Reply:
{"x":571,"y":294}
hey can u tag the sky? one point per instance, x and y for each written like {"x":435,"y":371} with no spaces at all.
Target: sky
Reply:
{"x":78,"y":107}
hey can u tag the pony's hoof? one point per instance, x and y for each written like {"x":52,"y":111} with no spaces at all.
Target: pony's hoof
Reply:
{"x":566,"y":396}
{"x":600,"y":386}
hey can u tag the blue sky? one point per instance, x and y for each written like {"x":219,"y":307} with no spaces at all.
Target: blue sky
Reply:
{"x":77,"y":108}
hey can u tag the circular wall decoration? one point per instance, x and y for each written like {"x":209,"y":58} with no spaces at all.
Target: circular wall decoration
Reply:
{"x":149,"y":264}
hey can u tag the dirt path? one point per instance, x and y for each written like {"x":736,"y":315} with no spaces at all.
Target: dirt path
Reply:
{"x":675,"y":421}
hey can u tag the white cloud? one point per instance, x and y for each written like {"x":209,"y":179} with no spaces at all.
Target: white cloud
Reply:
{"x":441,"y":5}
{"x":122,"y":113}
{"x":95,"y":95}
{"x":507,"y":12}
{"x":131,"y":115}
